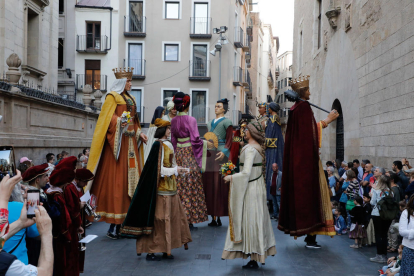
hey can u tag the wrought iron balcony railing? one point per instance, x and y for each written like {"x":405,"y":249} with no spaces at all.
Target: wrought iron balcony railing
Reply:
{"x":98,"y":82}
{"x":135,"y":26}
{"x":200,"y":27}
{"x":200,"y":70}
{"x":237,"y":76}
{"x":92,"y":44}
{"x":238,"y":37}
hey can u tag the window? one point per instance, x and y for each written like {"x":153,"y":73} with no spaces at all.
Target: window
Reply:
{"x":285,"y":82}
{"x":172,"y":10}
{"x":33,"y":27}
{"x":93,"y":35}
{"x":198,"y":106}
{"x":60,"y":53}
{"x":201,"y":18}
{"x":93,"y":73}
{"x":319,"y":3}
{"x":137,"y":93}
{"x":135,"y":58}
{"x":136,"y":16}
{"x":61,"y":6}
{"x":168,"y":93}
{"x":171,"y":52}
{"x":200,"y":60}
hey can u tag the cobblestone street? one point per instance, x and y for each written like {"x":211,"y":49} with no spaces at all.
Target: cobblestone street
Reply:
{"x":335,"y":258}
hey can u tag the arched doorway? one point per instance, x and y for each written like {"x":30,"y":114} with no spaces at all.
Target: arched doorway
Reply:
{"x":340,"y":146}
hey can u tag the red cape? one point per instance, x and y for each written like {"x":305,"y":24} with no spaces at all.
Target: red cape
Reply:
{"x":301,"y":205}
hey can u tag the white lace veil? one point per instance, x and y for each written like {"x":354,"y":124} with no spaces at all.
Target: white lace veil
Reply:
{"x":118,"y":86}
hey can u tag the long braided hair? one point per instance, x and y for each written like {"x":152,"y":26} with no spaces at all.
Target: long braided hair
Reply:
{"x":258,"y":134}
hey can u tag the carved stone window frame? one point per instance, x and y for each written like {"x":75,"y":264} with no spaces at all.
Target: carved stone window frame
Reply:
{"x":348,"y":17}
{"x":37,"y":6}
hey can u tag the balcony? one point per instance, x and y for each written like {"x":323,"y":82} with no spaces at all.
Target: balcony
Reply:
{"x":135,"y":26}
{"x":238,"y":37}
{"x":200,"y":27}
{"x":139,"y":68}
{"x":270,"y":81}
{"x":246,"y":82}
{"x":246,"y":43}
{"x":237,"y":76}
{"x":98,"y":82}
{"x":199,"y":70}
{"x":91,"y":44}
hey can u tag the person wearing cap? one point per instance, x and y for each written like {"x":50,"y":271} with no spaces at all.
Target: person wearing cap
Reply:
{"x":216,"y":191}
{"x":73,"y":192}
{"x":172,"y":112}
{"x":157,"y":220}
{"x":274,"y":145}
{"x":25,"y":163}
{"x":62,"y":225}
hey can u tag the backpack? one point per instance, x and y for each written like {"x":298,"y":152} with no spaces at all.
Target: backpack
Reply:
{"x":388,"y":208}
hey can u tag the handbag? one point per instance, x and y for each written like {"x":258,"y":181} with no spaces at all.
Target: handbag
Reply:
{"x":350,"y":204}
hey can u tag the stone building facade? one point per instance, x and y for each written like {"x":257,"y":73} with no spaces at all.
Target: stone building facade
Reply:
{"x":35,"y":119}
{"x":29,"y":28}
{"x":360,"y":58}
{"x":284,"y":75}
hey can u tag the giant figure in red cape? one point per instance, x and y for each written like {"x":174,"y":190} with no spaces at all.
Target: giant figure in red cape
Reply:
{"x":305,"y":204}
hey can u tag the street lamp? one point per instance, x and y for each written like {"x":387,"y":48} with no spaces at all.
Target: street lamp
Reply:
{"x":217,"y":48}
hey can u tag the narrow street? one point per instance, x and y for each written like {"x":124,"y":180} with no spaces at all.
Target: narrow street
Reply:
{"x":106,"y":257}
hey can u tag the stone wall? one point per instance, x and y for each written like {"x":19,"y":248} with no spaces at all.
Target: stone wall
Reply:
{"x":36,"y":127}
{"x":15,"y":38}
{"x":367,"y":63}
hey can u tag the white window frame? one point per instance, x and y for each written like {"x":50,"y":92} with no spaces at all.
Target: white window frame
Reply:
{"x":208,"y":11}
{"x":179,"y":50}
{"x":207,"y":101}
{"x":162,"y":93}
{"x":208,"y":56}
{"x":142,"y":100}
{"x":180,"y":10}
{"x":127,"y":42}
{"x":143,"y":13}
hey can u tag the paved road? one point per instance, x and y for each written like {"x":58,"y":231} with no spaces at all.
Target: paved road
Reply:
{"x":106,"y":257}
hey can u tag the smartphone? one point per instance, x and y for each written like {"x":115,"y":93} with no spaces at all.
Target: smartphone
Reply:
{"x":7,"y":163}
{"x":33,"y":201}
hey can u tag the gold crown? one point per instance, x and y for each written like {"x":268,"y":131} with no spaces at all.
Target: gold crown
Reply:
{"x":125,"y":73}
{"x":301,"y":82}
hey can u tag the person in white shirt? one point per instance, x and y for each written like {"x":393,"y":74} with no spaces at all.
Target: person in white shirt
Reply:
{"x":406,"y":229}
{"x":360,"y":169}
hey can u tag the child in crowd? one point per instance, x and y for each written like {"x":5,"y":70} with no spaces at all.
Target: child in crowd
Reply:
{"x":393,"y":232}
{"x":368,"y":223}
{"x":394,"y":264}
{"x":358,"y":231}
{"x":334,"y":206}
{"x":340,"y":225}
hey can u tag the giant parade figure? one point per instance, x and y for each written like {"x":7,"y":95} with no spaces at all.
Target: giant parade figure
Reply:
{"x":216,"y":191}
{"x":305,"y":204}
{"x":116,"y":156}
{"x":274,"y":152}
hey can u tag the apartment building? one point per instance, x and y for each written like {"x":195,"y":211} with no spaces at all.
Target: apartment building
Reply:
{"x":171,"y":44}
{"x":284,"y":75}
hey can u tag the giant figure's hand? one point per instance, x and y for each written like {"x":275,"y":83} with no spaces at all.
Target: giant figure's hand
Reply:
{"x":210,"y":145}
{"x":143,"y":137}
{"x":220,"y":156}
{"x":332,"y":117}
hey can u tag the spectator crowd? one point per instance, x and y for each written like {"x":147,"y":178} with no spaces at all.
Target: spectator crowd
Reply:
{"x":48,"y":243}
{"x":374,"y":206}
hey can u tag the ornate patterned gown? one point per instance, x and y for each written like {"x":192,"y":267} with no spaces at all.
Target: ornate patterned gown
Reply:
{"x":190,"y":152}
